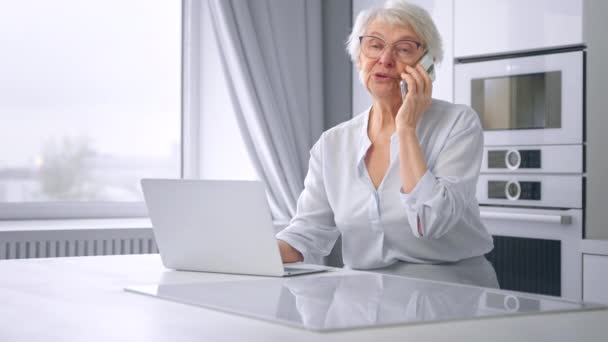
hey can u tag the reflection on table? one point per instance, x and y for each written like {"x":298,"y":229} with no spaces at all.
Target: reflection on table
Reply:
{"x":477,"y":271}
{"x":373,"y":299}
{"x":348,"y":299}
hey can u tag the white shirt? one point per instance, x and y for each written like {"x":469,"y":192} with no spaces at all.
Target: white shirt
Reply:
{"x":378,"y":227}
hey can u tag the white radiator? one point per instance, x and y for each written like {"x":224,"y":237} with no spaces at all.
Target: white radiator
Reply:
{"x":73,"y":242}
{"x":57,"y":238}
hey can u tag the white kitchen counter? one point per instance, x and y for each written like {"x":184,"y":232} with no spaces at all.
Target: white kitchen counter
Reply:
{"x":82,"y":299}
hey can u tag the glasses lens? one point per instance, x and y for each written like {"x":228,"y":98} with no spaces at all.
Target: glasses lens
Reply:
{"x":372,"y":47}
{"x":406,"y":50}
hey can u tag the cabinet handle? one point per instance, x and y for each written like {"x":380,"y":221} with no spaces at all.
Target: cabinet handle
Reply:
{"x":560,"y":219}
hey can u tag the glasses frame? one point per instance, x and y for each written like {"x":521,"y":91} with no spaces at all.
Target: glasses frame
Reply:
{"x":418,"y":44}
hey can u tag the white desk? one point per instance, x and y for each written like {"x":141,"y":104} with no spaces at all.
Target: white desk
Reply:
{"x":82,"y":299}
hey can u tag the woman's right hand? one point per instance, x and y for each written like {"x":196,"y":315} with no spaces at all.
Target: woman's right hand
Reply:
{"x":288,"y":253}
{"x":418,"y":99}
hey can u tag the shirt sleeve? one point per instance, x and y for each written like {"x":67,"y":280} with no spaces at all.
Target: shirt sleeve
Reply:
{"x":312,"y":231}
{"x":444,"y":192}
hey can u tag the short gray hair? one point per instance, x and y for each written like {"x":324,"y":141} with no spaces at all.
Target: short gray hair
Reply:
{"x":397,"y":12}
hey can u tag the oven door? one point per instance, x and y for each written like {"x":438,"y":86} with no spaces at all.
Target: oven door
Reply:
{"x":533,"y":100}
{"x":525,"y":255}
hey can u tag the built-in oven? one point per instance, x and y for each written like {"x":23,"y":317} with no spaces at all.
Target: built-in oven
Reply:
{"x":536,"y":250}
{"x":530,"y":100}
{"x":531,"y":184}
{"x":532,"y":203}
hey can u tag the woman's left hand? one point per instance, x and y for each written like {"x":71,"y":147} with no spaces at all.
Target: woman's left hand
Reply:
{"x":417,"y":100}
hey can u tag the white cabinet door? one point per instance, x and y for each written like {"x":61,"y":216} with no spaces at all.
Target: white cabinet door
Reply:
{"x":483,"y":27}
{"x":595,"y":278}
{"x":443,"y":16}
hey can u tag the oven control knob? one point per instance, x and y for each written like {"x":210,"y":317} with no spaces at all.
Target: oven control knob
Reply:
{"x":513,"y":190}
{"x":513,"y":159}
{"x":511,"y":303}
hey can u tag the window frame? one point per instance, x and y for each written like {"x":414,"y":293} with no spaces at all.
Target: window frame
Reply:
{"x":117,"y":209}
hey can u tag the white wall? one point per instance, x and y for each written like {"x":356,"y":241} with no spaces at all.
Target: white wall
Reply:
{"x":336,"y":62}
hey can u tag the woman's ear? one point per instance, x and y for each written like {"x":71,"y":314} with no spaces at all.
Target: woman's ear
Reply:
{"x":358,"y":63}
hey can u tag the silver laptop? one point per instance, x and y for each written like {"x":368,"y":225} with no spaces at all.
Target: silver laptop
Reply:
{"x":216,"y":226}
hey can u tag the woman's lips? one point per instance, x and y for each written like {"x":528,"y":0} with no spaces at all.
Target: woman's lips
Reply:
{"x":384,"y":77}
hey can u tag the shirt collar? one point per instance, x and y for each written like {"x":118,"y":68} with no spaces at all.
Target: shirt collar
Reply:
{"x":364,"y":142}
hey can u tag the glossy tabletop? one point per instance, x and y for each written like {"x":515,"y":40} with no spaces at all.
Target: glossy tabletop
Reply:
{"x":345,"y":301}
{"x":83,"y":299}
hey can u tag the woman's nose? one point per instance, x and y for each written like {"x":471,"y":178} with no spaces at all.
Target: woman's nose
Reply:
{"x":387,"y":57}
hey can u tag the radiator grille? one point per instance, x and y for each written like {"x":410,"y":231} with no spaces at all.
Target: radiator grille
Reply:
{"x":528,"y":265}
{"x":45,"y":244}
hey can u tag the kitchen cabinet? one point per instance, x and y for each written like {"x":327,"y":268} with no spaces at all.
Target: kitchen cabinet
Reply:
{"x":484,"y":27}
{"x":595,"y":278}
{"x":443,"y":16}
{"x":490,"y":27}
{"x":595,"y":28}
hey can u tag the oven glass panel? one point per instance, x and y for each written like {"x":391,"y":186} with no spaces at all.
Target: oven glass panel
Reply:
{"x":531,"y":101}
{"x":530,"y":191}
{"x":496,"y":159}
{"x":527,"y":264}
{"x":530,"y":159}
{"x":496,"y":190}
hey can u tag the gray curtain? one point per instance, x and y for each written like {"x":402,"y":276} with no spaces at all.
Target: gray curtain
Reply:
{"x":272,"y":55}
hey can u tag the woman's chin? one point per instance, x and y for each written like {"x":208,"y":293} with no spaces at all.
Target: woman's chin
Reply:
{"x":384,"y":94}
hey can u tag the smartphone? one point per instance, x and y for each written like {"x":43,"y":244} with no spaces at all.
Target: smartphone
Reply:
{"x":427,"y":63}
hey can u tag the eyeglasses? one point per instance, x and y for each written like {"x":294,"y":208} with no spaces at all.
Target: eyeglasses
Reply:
{"x":373,"y":47}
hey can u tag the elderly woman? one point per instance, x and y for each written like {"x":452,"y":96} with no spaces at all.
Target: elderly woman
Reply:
{"x":397,"y":181}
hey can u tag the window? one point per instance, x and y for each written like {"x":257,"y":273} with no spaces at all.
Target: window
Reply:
{"x":90,"y":98}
